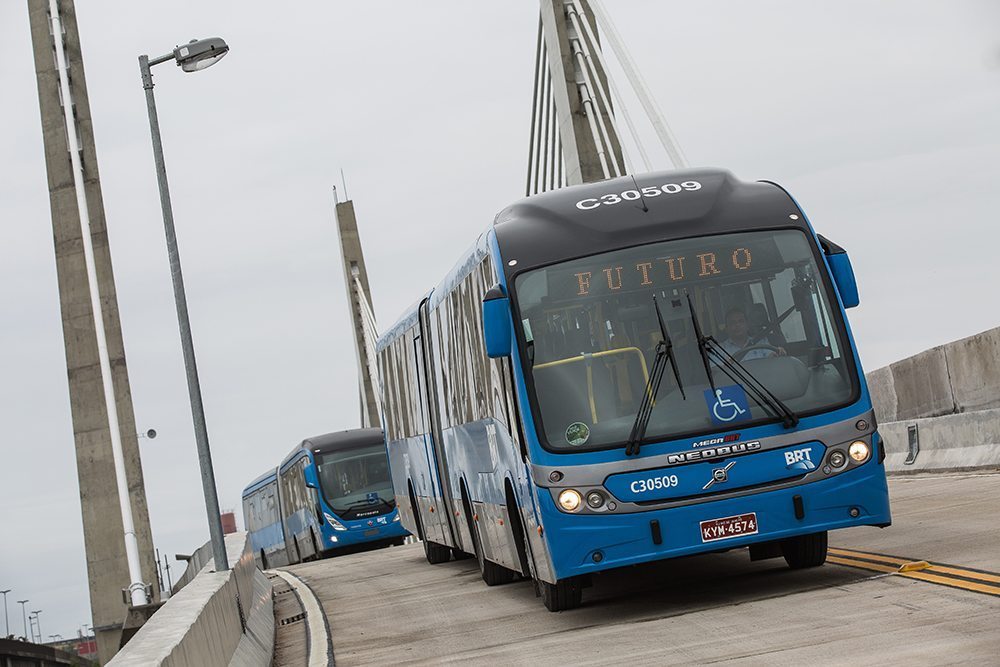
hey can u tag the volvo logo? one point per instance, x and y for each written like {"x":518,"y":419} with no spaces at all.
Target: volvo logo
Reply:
{"x":719,"y":475}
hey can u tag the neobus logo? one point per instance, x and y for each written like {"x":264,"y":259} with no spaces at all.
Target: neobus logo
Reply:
{"x":713,"y":453}
{"x":732,"y":437}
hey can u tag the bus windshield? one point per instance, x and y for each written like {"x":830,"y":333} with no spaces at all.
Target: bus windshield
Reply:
{"x":589,"y":331}
{"x":356,"y":479}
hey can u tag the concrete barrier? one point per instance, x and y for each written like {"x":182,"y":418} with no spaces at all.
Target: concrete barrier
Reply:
{"x":967,"y":441}
{"x":961,"y":376}
{"x":951,"y":395}
{"x":218,"y":618}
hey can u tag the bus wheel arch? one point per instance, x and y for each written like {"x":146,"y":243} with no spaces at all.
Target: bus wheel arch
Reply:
{"x":434,"y":553}
{"x":493,"y":574}
{"x":518,"y":530}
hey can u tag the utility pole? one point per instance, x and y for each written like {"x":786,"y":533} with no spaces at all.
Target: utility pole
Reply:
{"x":101,"y":507}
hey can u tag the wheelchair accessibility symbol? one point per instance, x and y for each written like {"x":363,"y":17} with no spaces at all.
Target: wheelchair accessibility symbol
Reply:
{"x":727,"y":404}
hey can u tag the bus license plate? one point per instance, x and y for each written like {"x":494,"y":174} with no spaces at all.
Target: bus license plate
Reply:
{"x":373,"y":531}
{"x":730,"y":526}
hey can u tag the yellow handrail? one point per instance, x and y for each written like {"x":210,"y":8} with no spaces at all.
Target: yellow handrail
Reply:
{"x":590,"y":377}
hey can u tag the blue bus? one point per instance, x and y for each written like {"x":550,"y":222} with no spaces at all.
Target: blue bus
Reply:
{"x":628,"y":371}
{"x":331,"y":494}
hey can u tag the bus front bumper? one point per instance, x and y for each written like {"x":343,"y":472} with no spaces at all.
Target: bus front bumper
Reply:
{"x":584,"y":544}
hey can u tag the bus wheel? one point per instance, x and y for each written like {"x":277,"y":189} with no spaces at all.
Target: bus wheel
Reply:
{"x":316,"y":552}
{"x":436,"y":553}
{"x":562,"y":595}
{"x":805,"y":550}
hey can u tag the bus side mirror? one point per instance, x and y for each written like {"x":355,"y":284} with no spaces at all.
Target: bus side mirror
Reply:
{"x":842,"y":271}
{"x":496,"y":322}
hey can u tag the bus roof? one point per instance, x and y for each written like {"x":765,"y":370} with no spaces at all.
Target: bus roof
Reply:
{"x":586,"y":219}
{"x":264,"y":479}
{"x":329,"y":442}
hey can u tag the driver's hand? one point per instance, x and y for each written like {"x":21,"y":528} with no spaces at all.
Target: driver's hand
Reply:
{"x":782,"y":352}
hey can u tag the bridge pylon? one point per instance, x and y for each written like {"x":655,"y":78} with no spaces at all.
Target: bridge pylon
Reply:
{"x":103,"y":527}
{"x":363,"y":325}
{"x":574,"y":134}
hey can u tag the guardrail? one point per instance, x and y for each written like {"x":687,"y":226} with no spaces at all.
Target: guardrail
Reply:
{"x":218,"y":618}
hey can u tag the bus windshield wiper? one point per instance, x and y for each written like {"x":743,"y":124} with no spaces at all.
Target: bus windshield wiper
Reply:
{"x":664,"y":354}
{"x":738,"y":373}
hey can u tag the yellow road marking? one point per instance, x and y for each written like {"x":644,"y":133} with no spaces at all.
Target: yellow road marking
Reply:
{"x":942,"y":569}
{"x":922,"y":570}
{"x":848,"y":553}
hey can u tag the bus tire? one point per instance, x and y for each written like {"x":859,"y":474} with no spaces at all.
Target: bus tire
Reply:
{"x":563,"y":595}
{"x":805,"y":550}
{"x":433,"y":552}
{"x":316,"y":552}
{"x":493,"y":574}
{"x":436,"y":553}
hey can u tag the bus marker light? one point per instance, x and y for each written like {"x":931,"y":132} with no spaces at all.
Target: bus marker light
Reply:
{"x":597,"y":556}
{"x":539,"y":531}
{"x":854,"y":512}
{"x":595,"y":499}
{"x":859,"y":451}
{"x":555,"y":476}
{"x":570,"y":500}
{"x":837,"y":458}
{"x":612,"y":506}
{"x":861,"y":425}
{"x":432,"y":508}
{"x":500,"y":521}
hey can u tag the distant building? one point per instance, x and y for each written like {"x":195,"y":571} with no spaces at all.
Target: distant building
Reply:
{"x":80,"y":651}
{"x":228,"y":522}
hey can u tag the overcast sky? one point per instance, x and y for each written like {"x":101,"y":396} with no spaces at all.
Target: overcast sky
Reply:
{"x":883,"y":119}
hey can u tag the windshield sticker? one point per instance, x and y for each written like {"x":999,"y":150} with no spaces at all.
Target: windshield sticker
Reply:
{"x":577,"y":434}
{"x":727,"y":405}
{"x":526,"y":323}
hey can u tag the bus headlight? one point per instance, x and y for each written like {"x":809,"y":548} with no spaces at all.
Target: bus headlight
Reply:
{"x":334,"y":523}
{"x":859,"y":451}
{"x":569,"y":499}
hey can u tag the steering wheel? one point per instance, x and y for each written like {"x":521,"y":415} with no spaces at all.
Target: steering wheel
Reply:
{"x":758,"y":346}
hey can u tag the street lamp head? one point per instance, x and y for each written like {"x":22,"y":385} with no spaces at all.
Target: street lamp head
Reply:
{"x":200,"y":53}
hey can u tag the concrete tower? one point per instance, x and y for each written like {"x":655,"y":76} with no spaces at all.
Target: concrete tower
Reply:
{"x":102,"y":525}
{"x":359,"y":299}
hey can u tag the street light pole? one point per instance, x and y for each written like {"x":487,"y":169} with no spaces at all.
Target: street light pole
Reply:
{"x":6,"y":619}
{"x":24,"y":617}
{"x":192,"y":57}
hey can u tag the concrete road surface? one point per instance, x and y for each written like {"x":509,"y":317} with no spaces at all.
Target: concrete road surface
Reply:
{"x":390,"y":606}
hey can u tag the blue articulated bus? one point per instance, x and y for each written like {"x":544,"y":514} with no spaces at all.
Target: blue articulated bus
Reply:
{"x":628,"y":371}
{"x":332,"y":493}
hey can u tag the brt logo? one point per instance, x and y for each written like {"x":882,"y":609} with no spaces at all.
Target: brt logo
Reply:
{"x":800,"y":459}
